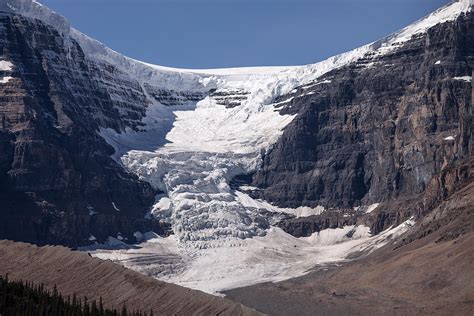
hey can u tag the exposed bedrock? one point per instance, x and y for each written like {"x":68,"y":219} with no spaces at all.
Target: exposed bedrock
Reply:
{"x":58,"y":183}
{"x":380,"y":130}
{"x":305,"y":226}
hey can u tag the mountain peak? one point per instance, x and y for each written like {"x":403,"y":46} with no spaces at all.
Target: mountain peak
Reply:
{"x":35,"y":10}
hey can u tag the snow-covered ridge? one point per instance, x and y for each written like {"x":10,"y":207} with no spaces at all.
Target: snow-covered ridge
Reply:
{"x":35,"y":10}
{"x":186,"y":78}
{"x":263,"y":84}
{"x":447,"y":13}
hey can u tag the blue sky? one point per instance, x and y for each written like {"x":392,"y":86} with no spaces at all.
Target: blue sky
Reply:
{"x":232,"y":33}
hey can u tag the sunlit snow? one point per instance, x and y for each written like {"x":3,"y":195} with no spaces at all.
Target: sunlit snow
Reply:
{"x":372,"y":207}
{"x":5,"y":65}
{"x":234,"y":263}
{"x":5,"y":79}
{"x":464,"y":78}
{"x":302,"y":211}
{"x":191,"y":151}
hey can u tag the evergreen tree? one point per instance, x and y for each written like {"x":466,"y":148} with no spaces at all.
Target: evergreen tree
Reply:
{"x":101,"y":305}
{"x":124,"y":310}
{"x":24,"y":298}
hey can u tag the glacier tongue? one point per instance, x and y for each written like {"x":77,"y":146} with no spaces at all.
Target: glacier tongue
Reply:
{"x":203,"y":206}
{"x":235,"y":263}
{"x":208,"y":146}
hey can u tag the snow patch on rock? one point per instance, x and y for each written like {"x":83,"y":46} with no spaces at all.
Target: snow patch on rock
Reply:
{"x":302,"y":211}
{"x":464,"y":78}
{"x":5,"y":65}
{"x":445,"y":14}
{"x":372,"y":207}
{"x":91,"y":211}
{"x":6,"y":79}
{"x":115,"y":207}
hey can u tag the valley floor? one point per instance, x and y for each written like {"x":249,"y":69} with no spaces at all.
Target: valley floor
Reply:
{"x":423,"y":278}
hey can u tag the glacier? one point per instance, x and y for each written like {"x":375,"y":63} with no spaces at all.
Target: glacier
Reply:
{"x":212,"y":126}
{"x":277,"y":256}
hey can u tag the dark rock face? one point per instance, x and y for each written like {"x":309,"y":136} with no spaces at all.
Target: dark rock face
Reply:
{"x":58,"y":183}
{"x":305,"y":226}
{"x":378,"y":130}
{"x":229,"y":98}
{"x":170,"y":97}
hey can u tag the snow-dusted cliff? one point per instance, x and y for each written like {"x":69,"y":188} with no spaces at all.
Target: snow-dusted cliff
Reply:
{"x":190,"y":132}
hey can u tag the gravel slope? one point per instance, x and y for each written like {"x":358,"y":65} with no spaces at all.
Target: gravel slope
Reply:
{"x":76,"y":272}
{"x":429,"y":272}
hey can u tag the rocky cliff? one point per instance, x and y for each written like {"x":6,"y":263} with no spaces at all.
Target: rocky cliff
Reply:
{"x":379,"y":130}
{"x":58,"y":183}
